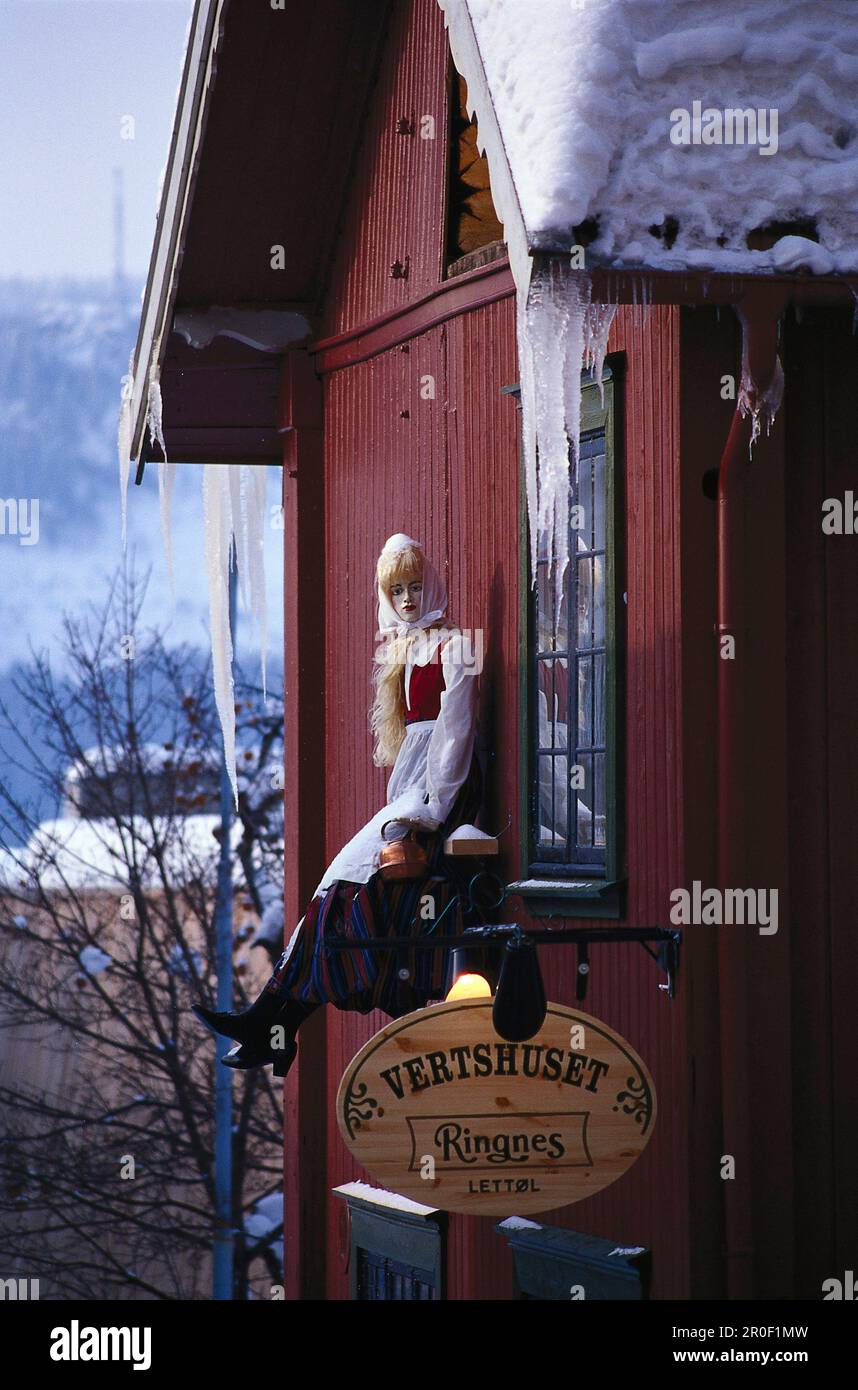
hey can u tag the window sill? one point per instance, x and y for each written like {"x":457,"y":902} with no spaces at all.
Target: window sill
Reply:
{"x":573,"y":897}
{"x":484,"y":255}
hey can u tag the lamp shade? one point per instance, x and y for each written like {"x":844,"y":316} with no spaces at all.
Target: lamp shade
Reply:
{"x":480,"y":961}
{"x":520,"y":1004}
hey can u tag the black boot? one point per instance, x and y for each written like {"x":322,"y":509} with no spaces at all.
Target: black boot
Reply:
{"x":251,"y":1026}
{"x":260,"y":1052}
{"x":246,"y":1057}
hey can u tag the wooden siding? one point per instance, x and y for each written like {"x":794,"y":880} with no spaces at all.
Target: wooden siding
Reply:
{"x":397,"y":207}
{"x":445,"y":467}
{"x":447,"y":471}
{"x":821,"y":685}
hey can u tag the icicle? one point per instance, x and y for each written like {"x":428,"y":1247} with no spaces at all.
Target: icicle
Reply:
{"x":166,"y":472}
{"x":234,"y":508}
{"x":247,"y":485}
{"x":559,"y":329}
{"x":528,"y":428}
{"x":155,"y":416}
{"x":257,"y":478}
{"x":235,"y":474}
{"x":166,"y":479}
{"x":751,"y":401}
{"x":597,"y":326}
{"x":123,"y":440}
{"x":217,"y":511}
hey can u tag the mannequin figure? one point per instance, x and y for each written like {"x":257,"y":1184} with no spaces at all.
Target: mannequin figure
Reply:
{"x":423,"y":719}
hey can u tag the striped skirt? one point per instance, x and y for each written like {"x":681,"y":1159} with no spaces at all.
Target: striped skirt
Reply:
{"x":397,"y":980}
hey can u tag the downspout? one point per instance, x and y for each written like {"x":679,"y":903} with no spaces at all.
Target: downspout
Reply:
{"x":759,"y":395}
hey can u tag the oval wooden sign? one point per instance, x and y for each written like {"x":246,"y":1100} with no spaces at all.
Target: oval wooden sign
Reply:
{"x":441,"y":1109}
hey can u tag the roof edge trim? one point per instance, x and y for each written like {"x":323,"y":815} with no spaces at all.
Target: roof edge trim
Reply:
{"x":188,"y":122}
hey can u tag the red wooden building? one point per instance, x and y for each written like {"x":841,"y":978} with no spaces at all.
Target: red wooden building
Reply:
{"x":330,"y":291}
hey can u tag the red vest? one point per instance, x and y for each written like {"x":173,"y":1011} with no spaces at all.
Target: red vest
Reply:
{"x":424,"y":690}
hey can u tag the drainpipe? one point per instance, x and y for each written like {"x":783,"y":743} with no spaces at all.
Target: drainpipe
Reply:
{"x":758,"y":313}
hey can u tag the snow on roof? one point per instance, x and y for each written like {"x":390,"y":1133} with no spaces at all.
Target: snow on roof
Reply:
{"x":155,"y":757}
{"x":68,"y":852}
{"x":582,"y":107}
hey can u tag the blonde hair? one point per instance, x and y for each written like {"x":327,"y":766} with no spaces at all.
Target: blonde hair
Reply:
{"x":387,"y":713}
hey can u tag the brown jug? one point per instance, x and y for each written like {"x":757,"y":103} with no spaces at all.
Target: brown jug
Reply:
{"x":404,"y":858}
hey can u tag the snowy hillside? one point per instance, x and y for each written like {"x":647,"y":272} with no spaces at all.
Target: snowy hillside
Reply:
{"x":64,"y":348}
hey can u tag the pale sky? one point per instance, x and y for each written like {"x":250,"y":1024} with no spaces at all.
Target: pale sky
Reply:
{"x":70,"y":71}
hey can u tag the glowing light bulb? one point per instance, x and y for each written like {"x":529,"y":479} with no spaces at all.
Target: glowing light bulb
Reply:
{"x":470,"y":987}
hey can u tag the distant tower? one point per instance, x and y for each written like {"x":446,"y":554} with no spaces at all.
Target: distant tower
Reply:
{"x":118,"y":233}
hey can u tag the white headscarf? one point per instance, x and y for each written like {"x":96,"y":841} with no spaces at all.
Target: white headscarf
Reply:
{"x":433,"y":598}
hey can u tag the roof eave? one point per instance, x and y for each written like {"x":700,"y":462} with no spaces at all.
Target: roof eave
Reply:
{"x":612,"y":284}
{"x":176,"y":194}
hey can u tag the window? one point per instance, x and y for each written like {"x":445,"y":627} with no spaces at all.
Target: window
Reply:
{"x":556,"y":1264}
{"x":571,"y":686}
{"x":383,"y":1280}
{"x":474,"y":234}
{"x":396,"y":1247}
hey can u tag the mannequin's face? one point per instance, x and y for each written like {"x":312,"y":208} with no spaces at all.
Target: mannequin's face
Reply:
{"x":407,"y":599}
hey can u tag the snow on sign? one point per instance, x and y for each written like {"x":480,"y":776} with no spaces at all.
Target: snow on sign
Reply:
{"x":441,"y":1109}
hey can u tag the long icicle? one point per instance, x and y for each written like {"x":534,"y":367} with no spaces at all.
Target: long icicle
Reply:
{"x":219,"y":529}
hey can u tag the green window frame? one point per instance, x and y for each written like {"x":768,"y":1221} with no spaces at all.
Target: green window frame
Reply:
{"x":396,"y":1254}
{"x":577,"y":870}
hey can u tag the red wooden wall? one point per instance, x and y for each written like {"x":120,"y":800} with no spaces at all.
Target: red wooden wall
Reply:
{"x":446,"y":469}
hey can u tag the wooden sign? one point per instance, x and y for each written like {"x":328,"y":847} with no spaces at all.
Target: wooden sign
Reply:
{"x":439,"y":1108}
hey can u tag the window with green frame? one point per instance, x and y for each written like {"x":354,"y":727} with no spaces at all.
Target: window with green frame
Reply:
{"x":571,"y":676}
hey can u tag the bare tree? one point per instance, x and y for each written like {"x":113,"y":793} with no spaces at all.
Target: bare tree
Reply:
{"x":107,"y":896}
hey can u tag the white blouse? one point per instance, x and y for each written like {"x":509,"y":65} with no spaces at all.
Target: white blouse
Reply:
{"x":431,"y":765}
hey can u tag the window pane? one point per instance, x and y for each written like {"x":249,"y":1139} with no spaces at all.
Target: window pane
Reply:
{"x":599,"y":730}
{"x":599,"y":501}
{"x":553,"y":703}
{"x":599,"y":600}
{"x":585,"y":502}
{"x":585,"y":602}
{"x":599,"y":819}
{"x":570,"y":724}
{"x":585,"y":802}
{"x":545,"y":608}
{"x":585,"y":701}
{"x":553,"y":806}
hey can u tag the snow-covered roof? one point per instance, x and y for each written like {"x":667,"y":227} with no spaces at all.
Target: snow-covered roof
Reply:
{"x":579,"y":106}
{"x":89,"y":854}
{"x":102,"y":760}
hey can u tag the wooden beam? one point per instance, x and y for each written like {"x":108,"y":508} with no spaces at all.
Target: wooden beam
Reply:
{"x":305,"y":1147}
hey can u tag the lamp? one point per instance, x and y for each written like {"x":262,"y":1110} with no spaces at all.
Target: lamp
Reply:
{"x":471,"y":973}
{"x":470,"y":986}
{"x":520,"y":1004}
